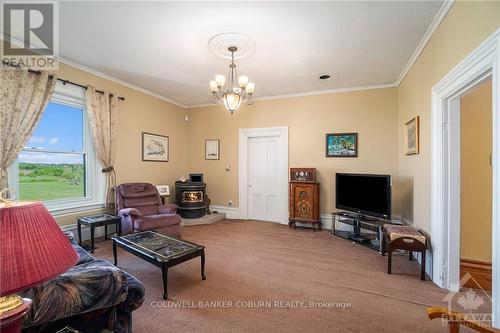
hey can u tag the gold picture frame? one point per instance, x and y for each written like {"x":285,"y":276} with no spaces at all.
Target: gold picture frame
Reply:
{"x":412,"y":136}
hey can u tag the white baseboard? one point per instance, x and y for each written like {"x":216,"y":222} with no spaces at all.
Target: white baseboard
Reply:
{"x":326,"y":218}
{"x":231,"y":212}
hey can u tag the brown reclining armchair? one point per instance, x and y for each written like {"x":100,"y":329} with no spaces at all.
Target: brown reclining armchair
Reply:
{"x":139,"y":207}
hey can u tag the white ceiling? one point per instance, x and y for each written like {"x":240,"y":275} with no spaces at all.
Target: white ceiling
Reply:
{"x":162,"y":46}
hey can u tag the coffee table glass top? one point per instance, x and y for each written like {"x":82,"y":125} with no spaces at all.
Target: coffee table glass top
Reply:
{"x":165,"y":247}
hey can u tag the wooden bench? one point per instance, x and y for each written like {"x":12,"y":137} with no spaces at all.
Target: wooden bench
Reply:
{"x":401,"y":237}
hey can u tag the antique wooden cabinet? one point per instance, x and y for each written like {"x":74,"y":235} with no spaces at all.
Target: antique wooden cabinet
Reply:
{"x":304,"y":198}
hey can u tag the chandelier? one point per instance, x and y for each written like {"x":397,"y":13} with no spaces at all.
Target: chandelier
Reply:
{"x":233,"y":95}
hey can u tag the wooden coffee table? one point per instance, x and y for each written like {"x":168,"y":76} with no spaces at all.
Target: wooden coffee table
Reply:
{"x":160,"y":250}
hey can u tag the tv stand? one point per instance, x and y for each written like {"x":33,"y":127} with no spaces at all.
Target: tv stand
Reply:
{"x":356,"y":216}
{"x":367,"y":218}
{"x":366,"y":231}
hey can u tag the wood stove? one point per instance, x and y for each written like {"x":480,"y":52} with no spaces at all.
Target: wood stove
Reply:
{"x":190,"y":197}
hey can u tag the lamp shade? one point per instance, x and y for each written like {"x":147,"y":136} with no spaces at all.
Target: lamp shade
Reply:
{"x":250,"y":87}
{"x":220,"y":80}
{"x":33,"y":248}
{"x":213,"y":86}
{"x":242,"y":81}
{"x":232,"y":101}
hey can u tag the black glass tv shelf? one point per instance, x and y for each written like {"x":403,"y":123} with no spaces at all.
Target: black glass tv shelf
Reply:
{"x":365,"y":231}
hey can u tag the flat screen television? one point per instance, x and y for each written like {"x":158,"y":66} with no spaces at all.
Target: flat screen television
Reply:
{"x":364,"y":194}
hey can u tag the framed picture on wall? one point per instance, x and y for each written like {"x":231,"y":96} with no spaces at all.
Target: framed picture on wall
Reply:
{"x":412,"y":133}
{"x":154,"y":147}
{"x":212,"y":149}
{"x":342,"y":145}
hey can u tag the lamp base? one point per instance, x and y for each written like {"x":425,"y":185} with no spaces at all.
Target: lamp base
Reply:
{"x":11,"y":320}
{"x":10,"y":302}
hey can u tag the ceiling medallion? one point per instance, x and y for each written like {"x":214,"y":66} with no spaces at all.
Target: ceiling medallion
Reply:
{"x":238,"y":92}
{"x":219,"y":45}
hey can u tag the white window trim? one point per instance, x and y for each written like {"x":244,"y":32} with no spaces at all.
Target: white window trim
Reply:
{"x":74,"y":96}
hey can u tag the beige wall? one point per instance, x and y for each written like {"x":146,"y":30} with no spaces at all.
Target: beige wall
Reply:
{"x":476,"y":186}
{"x":378,"y":116}
{"x":371,"y":113}
{"x":464,"y":28}
{"x":139,"y":112}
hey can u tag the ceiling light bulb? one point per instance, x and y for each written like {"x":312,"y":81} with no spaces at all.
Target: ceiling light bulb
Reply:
{"x":220,"y":80}
{"x":232,"y":102}
{"x":213,"y":86}
{"x":242,"y":81}
{"x":250,"y":87}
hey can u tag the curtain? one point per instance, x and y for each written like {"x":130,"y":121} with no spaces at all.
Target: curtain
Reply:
{"x":103,"y":120}
{"x":23,"y":98}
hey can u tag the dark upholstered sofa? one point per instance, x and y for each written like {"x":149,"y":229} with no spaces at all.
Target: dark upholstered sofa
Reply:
{"x":139,"y":207}
{"x":92,"y":297}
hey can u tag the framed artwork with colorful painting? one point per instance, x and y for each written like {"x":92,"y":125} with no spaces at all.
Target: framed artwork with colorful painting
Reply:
{"x":412,"y":129}
{"x":342,"y":145}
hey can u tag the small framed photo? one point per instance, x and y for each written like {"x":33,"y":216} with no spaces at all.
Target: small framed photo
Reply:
{"x":412,"y":134}
{"x":212,"y":149}
{"x":342,"y":145}
{"x":154,"y":147}
{"x":164,"y":190}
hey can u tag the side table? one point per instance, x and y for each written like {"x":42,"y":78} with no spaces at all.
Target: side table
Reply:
{"x":102,"y":220}
{"x":163,"y":196}
{"x":402,"y":237}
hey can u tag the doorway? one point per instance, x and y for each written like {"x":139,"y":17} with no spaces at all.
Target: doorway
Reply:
{"x":481,"y":64}
{"x":475,"y":185}
{"x":263,"y":175}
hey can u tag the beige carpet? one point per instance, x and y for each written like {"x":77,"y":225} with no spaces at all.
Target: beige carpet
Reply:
{"x":280,"y":272}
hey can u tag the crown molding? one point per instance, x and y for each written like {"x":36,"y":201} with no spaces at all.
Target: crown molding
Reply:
{"x":105,"y":76}
{"x":311,"y":93}
{"x":185,"y":106}
{"x":328,"y":91}
{"x":121,"y":82}
{"x":436,"y":21}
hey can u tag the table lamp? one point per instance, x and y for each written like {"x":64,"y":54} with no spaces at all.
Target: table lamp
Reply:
{"x":33,"y":249}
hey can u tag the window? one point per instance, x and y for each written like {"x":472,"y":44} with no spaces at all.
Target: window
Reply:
{"x":52,"y":165}
{"x":58,"y":164}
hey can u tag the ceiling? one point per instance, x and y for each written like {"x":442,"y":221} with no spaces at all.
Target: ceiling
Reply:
{"x":162,"y":46}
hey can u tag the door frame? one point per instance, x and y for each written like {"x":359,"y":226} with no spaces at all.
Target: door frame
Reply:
{"x":244,"y":135}
{"x":484,"y":61}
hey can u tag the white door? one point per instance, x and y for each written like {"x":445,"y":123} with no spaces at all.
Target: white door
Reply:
{"x":264,"y":190}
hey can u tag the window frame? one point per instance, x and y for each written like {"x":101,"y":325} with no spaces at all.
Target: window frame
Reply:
{"x":74,"y":96}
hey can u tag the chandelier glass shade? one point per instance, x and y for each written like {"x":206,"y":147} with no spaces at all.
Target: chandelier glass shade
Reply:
{"x":236,"y":92}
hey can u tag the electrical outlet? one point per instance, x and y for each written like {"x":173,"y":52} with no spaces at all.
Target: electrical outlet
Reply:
{"x":230,"y":203}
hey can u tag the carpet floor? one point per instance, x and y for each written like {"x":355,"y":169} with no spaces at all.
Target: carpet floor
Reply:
{"x":264,"y":277}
